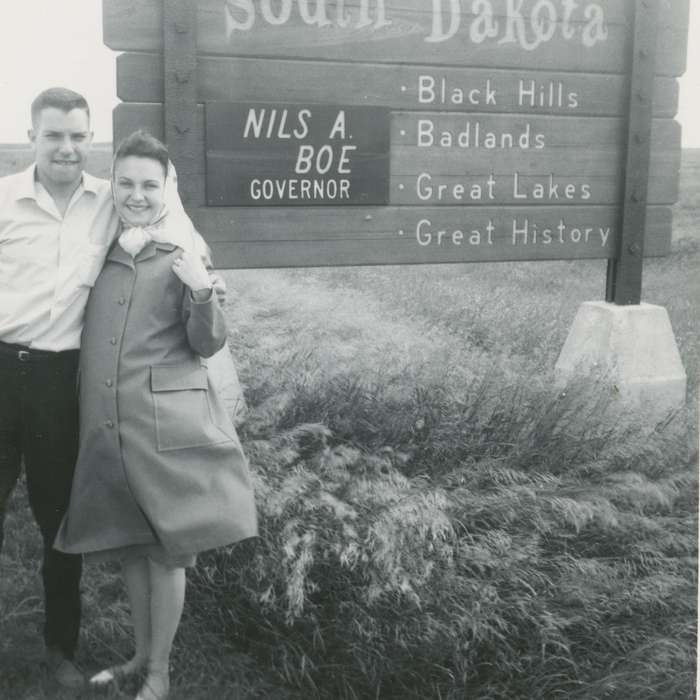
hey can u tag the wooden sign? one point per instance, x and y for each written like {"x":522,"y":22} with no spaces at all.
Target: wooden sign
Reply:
{"x":508,"y":123}
{"x":270,"y":154}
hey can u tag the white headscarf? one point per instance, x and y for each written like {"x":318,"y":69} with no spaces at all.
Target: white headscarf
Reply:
{"x":172,"y":225}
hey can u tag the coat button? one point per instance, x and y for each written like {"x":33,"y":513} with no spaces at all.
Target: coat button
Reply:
{"x":108,"y":382}
{"x":113,"y":340}
{"x":122,"y":301}
{"x":109,"y":423}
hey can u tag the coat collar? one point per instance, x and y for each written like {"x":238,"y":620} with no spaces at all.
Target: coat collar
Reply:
{"x":119,"y":255}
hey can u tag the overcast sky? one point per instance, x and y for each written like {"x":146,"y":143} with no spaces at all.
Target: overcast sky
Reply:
{"x":59,"y":42}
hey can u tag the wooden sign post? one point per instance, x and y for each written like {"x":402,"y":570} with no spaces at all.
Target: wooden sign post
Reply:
{"x":624,"y":281}
{"x":180,"y":127}
{"x":360,"y":132}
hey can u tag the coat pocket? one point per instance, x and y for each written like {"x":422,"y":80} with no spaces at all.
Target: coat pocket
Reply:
{"x":182,"y":409}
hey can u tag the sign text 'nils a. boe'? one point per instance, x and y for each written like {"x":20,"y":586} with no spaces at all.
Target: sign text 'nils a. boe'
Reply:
{"x":263,"y":154}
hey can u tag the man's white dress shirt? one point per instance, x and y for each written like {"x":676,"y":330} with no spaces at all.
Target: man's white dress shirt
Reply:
{"x":49,"y":262}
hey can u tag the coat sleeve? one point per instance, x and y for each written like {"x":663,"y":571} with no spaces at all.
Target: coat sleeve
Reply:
{"x":205,"y":324}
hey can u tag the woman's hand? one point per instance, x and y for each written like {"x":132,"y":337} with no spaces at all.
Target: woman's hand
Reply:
{"x":220,"y":289}
{"x":190,"y":268}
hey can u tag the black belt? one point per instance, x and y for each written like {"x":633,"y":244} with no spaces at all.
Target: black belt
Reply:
{"x":25,"y":354}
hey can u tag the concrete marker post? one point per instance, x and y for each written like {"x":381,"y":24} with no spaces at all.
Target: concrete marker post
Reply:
{"x":633,"y":349}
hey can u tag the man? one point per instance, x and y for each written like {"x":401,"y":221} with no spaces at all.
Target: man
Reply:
{"x":56,"y":226}
{"x":47,"y":214}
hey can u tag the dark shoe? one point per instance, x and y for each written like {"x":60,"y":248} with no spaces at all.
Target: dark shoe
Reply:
{"x":64,"y":671}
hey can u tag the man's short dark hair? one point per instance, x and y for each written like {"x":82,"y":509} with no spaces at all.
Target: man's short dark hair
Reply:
{"x":59,"y":98}
{"x":143,"y":145}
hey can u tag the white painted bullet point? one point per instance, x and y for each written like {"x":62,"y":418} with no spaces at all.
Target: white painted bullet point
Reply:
{"x":403,"y":88}
{"x":400,"y":187}
{"x":400,"y":232}
{"x":403,"y":132}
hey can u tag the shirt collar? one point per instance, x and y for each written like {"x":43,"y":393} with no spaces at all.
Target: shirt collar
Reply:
{"x":90,"y":183}
{"x":26,"y":188}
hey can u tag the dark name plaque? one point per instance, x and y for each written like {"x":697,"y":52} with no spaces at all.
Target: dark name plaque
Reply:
{"x":266,"y":154}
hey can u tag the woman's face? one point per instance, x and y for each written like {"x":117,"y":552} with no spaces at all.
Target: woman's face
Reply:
{"x":139,"y":184}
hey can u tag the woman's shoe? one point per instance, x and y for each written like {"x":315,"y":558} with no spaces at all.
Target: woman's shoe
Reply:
{"x":116,"y":674}
{"x":155,"y":687}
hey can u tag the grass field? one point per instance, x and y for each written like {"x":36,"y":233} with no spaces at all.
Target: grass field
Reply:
{"x":437,"y":519}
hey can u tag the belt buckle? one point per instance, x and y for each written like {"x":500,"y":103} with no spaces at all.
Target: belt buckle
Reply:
{"x":23,"y":355}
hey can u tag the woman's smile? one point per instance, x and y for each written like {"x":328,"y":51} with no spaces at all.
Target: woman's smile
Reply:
{"x":137,"y":207}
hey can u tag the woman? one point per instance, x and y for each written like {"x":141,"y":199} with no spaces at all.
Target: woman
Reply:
{"x":160,"y":474}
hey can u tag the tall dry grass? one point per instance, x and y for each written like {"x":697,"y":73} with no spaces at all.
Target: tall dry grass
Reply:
{"x":440,"y":520}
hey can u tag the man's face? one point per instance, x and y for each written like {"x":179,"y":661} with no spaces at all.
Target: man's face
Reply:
{"x":61,"y":144}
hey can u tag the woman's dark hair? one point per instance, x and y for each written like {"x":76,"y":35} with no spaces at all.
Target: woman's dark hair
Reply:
{"x":143,"y":145}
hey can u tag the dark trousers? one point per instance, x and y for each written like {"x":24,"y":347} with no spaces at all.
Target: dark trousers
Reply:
{"x":39,"y":425}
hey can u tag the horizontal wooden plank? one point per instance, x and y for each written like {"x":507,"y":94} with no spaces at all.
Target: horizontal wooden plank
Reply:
{"x":410,"y":34}
{"x":526,"y":133}
{"x":552,"y":181}
{"x":597,"y":159}
{"x":673,"y":12}
{"x":140,"y":79}
{"x":425,"y":188}
{"x":479,"y":147}
{"x":594,"y":161}
{"x":245,"y":237}
{"x":298,"y":224}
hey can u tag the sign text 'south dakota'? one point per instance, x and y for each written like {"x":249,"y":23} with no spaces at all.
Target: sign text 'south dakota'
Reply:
{"x":522,"y":232}
{"x":528,"y":25}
